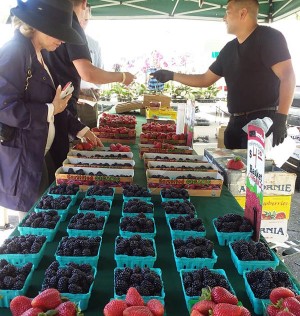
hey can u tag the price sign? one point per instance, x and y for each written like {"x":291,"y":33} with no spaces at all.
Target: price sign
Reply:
{"x":255,"y":177}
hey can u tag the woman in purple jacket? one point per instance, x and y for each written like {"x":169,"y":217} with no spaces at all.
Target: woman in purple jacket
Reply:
{"x":29,"y":100}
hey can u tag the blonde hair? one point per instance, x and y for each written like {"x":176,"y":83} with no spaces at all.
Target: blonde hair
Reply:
{"x":24,"y":28}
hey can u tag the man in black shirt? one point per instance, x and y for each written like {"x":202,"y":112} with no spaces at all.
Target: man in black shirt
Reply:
{"x":73,"y":63}
{"x":258,"y":72}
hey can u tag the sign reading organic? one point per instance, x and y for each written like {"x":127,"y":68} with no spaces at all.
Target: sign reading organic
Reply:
{"x":255,"y":177}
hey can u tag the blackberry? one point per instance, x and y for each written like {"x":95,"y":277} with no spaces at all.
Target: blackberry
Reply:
{"x":177,"y":207}
{"x":49,"y":202}
{"x":134,"y":190}
{"x":100,"y":190}
{"x":193,"y":247}
{"x":176,"y":193}
{"x":137,"y":206}
{"x":23,"y":244}
{"x":250,"y":250}
{"x":139,"y":223}
{"x":232,"y":223}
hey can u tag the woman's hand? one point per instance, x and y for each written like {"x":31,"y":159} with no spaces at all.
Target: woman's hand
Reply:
{"x":92,"y":138}
{"x":58,"y":103}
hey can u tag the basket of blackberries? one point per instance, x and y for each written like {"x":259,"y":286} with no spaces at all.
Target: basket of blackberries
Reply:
{"x":147,"y":281}
{"x":194,"y":280}
{"x":74,"y":281}
{"x":260,"y":283}
{"x":23,"y":249}
{"x":101,"y":192}
{"x":14,"y":280}
{"x":135,"y":251}
{"x":186,"y":226}
{"x":174,"y":194}
{"x":71,"y":190}
{"x":140,"y":224}
{"x":86,"y":224}
{"x":194,"y":253}
{"x":232,"y":227}
{"x":251,"y":255}
{"x":61,"y":204}
{"x":135,"y":191}
{"x":135,"y":206}
{"x":98,"y":207}
{"x":178,"y":208}
{"x":41,"y":223}
{"x":79,"y":249}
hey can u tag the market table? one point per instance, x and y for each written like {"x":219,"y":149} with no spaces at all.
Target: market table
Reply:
{"x":207,"y":209}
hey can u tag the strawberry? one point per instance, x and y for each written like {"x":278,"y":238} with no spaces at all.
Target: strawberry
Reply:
{"x":272,"y":310}
{"x":114,"y":308}
{"x":292,"y":304}
{"x":67,"y":308}
{"x":280,"y":293}
{"x":221,"y":295}
{"x":204,"y":306}
{"x":280,"y":215}
{"x":156,"y":307}
{"x":48,"y":299}
{"x":19,"y":305}
{"x":196,"y":313}
{"x":244,"y":311}
{"x":235,"y":163}
{"x":137,"y":311}
{"x":298,"y":297}
{"x":134,"y":298}
{"x":225,"y":309}
{"x":87,"y":146}
{"x":285,"y":313}
{"x":33,"y":311}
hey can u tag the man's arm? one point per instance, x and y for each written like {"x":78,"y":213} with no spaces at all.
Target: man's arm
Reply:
{"x":90,"y":73}
{"x":201,"y":80}
{"x":285,"y":72}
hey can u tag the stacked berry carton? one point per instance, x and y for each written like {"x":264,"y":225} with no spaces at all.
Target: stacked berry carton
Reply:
{"x":181,"y":166}
{"x":49,"y":233}
{"x":191,"y":298}
{"x":104,"y":153}
{"x":173,"y":149}
{"x":146,"y":298}
{"x":8,"y":295}
{"x":92,"y":259}
{"x":250,"y":265}
{"x":132,"y":261}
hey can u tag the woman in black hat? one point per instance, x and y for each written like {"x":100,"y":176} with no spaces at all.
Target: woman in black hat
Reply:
{"x":29,"y":100}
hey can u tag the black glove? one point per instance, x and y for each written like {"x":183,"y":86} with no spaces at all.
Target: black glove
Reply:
{"x":163,"y":75}
{"x":278,"y":129}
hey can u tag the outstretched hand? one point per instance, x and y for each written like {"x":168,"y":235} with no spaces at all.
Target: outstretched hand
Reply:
{"x":278,"y":128}
{"x":163,"y":75}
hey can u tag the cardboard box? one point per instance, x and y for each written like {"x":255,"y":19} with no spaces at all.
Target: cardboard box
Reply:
{"x":164,"y":99}
{"x":274,"y":207}
{"x":149,"y":148}
{"x":146,"y":140}
{"x":221,"y":130}
{"x":274,"y":230}
{"x":276,"y":180}
{"x":111,"y":177}
{"x":182,"y":166}
{"x":93,"y":163}
{"x":105,"y":154}
{"x":196,"y":187}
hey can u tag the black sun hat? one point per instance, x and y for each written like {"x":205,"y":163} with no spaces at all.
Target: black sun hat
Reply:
{"x":52,"y":17}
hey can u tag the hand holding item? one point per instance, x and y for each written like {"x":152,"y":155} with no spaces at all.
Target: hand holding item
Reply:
{"x":278,"y":129}
{"x":92,"y":138}
{"x":60,"y":104}
{"x":163,"y":75}
{"x":127,"y":78}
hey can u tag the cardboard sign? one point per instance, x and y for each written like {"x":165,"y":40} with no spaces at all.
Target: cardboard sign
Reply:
{"x":255,"y":177}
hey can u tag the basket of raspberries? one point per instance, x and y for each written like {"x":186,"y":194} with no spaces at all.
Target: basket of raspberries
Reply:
{"x":260,"y":283}
{"x":135,"y":206}
{"x":41,"y":223}
{"x":147,"y":281}
{"x":80,"y":250}
{"x":135,"y":251}
{"x":71,"y":190}
{"x":98,"y":207}
{"x":14,"y":280}
{"x":73,"y":281}
{"x":140,"y":224}
{"x":186,"y":226}
{"x":87,"y":224}
{"x":135,"y":191}
{"x":194,"y":253}
{"x":101,"y":192}
{"x":23,"y":249}
{"x":61,"y":204}
{"x":251,"y":255}
{"x":232,"y":227}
